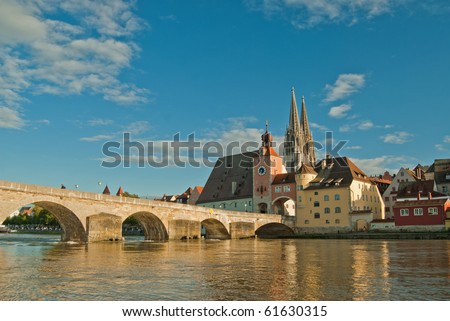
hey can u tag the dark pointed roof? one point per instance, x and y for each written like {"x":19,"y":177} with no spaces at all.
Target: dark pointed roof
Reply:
{"x":120,"y":191}
{"x":413,"y":189}
{"x":106,"y":191}
{"x":234,"y":168}
{"x":306,"y":169}
{"x":338,"y":171}
{"x":284,"y":178}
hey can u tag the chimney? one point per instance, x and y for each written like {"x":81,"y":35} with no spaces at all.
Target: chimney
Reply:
{"x":430,"y":196}
{"x":418,"y":196}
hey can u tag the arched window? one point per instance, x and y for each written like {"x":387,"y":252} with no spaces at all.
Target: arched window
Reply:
{"x":337,"y":210}
{"x":316,"y":204}
{"x":337,"y":197}
{"x":326,"y":198}
{"x":327,"y":210}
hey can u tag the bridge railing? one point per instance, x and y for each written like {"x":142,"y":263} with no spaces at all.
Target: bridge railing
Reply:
{"x":58,"y":192}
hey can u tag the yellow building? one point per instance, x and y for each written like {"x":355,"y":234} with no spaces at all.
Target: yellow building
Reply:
{"x":336,"y":196}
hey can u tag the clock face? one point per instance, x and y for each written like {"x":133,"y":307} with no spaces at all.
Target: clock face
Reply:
{"x":261,"y":170}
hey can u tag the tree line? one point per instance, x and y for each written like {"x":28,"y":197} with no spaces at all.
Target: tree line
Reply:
{"x":40,"y":216}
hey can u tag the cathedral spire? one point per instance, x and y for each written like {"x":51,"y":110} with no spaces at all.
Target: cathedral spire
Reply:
{"x":309,"y":156}
{"x":298,"y":142}
{"x":304,"y":120}
{"x":294,"y":124}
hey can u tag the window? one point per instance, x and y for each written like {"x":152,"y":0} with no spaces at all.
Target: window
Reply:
{"x":316,"y":204}
{"x":299,"y":187}
{"x":277,"y":189}
{"x":337,"y":197}
{"x":433,"y":211}
{"x":327,"y":222}
{"x":287,"y":188}
{"x":327,"y":210}
{"x":316,"y":193}
{"x":402,"y":174}
{"x":337,"y":210}
{"x":337,"y":221}
{"x":326,"y":198}
{"x":404,"y":212}
{"x":418,"y":211}
{"x":394,"y":198}
{"x":445,"y":189}
{"x":387,"y":209}
{"x":299,"y":199}
{"x":306,"y":221}
{"x":233,"y":187}
{"x":386,"y":198}
{"x":316,"y":215}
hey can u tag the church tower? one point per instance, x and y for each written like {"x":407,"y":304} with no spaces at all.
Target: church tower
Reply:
{"x":298,"y":141}
{"x":266,"y":166}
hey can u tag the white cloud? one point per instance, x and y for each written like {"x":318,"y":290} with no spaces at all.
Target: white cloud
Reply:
{"x":345,"y":85}
{"x":170,"y":17}
{"x":310,"y":13}
{"x":397,"y":138}
{"x":96,"y":138}
{"x":43,"y":122}
{"x":345,"y":128}
{"x":447,"y":139}
{"x":137,"y":127}
{"x":365,"y":125}
{"x":353,"y":147}
{"x":100,"y":122}
{"x":339,"y":111}
{"x":85,"y":53}
{"x":378,"y":165}
{"x":10,"y":118}
{"x":318,"y":126}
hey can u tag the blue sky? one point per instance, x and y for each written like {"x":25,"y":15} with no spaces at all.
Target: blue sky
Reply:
{"x":76,"y":74}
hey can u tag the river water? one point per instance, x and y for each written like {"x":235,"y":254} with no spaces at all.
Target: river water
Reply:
{"x":39,"y":267}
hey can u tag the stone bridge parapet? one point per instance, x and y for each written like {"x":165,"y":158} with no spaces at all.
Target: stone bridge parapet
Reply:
{"x":86,"y":216}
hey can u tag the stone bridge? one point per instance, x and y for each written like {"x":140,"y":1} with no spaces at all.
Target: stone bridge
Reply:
{"x":88,"y":217}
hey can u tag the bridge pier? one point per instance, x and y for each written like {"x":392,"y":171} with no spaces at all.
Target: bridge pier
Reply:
{"x":104,"y":227}
{"x":240,"y":230}
{"x":184,"y":229}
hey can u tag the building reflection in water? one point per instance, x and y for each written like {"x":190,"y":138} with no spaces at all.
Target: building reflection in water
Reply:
{"x":225,"y":270}
{"x":370,"y":270}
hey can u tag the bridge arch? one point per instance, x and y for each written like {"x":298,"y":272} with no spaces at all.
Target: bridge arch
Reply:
{"x":274,"y":230}
{"x":284,"y":205}
{"x":215,"y":229}
{"x":72,"y":228}
{"x":154,"y":228}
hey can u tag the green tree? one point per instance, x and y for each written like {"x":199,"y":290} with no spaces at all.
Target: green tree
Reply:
{"x":126,"y":194}
{"x":131,"y":220}
{"x":40,"y":216}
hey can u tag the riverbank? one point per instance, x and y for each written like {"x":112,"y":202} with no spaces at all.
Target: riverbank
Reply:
{"x":378,"y":236}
